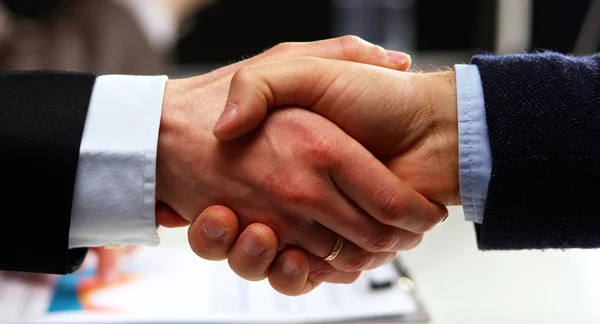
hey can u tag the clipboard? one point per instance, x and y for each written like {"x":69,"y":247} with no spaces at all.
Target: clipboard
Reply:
{"x":191,"y":290}
{"x":401,"y":280}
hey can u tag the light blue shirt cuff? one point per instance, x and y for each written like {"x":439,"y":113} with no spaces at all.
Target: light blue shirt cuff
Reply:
{"x":475,"y":157}
{"x":114,"y":196}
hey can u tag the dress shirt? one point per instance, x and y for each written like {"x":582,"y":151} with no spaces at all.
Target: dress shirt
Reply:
{"x":114,"y":196}
{"x":475,"y":158}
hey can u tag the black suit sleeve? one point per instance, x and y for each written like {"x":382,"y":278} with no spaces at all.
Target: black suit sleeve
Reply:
{"x":543,"y":116}
{"x":42,"y":114}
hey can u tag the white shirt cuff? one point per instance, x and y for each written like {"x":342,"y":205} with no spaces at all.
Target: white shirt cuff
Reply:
{"x":155,"y":20}
{"x":475,"y":158}
{"x":114,"y":197}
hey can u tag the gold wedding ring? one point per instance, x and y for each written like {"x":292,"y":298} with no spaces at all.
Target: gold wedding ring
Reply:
{"x":336,"y":249}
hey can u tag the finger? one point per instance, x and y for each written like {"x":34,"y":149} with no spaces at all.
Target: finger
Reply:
{"x":365,"y":232}
{"x":300,"y":82}
{"x":322,"y":271}
{"x":253,"y":252}
{"x":350,"y":258}
{"x":297,"y":272}
{"x":340,"y":277}
{"x":381,"y":194}
{"x":108,"y":262}
{"x":256,"y":89}
{"x":213,"y":233}
{"x":346,"y":48}
{"x":363,"y":261}
{"x":289,"y":274}
{"x":168,"y":217}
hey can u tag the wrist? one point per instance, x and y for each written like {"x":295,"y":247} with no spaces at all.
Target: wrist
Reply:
{"x":443,"y":104}
{"x":185,"y":142}
{"x":170,"y":122}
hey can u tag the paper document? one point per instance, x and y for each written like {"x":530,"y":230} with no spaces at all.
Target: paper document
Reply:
{"x":166,"y":285}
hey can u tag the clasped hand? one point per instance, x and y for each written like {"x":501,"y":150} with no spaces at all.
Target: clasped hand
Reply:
{"x":360,"y":150}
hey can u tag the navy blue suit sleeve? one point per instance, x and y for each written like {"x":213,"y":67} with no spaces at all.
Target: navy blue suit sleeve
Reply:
{"x":543,"y":115}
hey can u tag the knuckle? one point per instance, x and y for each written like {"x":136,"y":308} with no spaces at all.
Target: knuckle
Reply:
{"x":389,"y":257}
{"x":428,"y":223}
{"x":381,"y":242}
{"x":242,"y":76}
{"x":392,"y":209}
{"x":414,"y":242}
{"x":358,"y":263}
{"x":351,"y":46}
{"x":284,"y":47}
{"x":378,"y":52}
{"x":319,"y":149}
{"x":295,"y":192}
{"x":300,"y":196}
{"x":411,"y":242}
{"x":296,"y":229}
{"x":321,"y":275}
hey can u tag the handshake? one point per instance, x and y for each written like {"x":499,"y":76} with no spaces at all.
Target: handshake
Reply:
{"x":310,"y":162}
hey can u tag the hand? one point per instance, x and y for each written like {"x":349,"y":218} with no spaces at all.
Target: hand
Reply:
{"x":408,"y":120}
{"x":293,"y":273}
{"x":301,"y":191}
{"x":347,"y":48}
{"x":299,"y":176}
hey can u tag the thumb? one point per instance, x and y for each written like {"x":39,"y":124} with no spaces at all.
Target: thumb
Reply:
{"x":298,"y":82}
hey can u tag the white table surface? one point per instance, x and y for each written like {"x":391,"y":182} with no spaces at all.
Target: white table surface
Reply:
{"x":460,"y":285}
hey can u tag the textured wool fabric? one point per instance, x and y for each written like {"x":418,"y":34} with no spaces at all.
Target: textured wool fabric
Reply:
{"x":42,"y":114}
{"x":543,"y":115}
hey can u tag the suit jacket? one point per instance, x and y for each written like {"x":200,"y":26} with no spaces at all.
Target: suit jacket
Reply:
{"x":42,"y":115}
{"x":543,"y":115}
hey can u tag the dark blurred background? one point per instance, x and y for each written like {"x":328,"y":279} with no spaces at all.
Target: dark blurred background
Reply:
{"x":233,"y":28}
{"x":228,"y":30}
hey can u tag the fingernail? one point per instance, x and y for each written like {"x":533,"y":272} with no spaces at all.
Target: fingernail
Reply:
{"x":399,"y":58}
{"x":288,"y":266}
{"x":227,"y":115}
{"x":444,"y":219}
{"x":214,"y":228}
{"x":254,"y":245}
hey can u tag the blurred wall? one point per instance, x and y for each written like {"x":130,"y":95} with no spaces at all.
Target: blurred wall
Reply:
{"x":557,"y":23}
{"x":232,"y":29}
